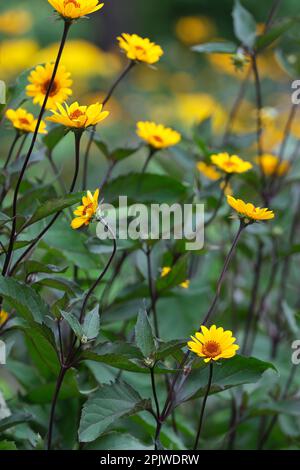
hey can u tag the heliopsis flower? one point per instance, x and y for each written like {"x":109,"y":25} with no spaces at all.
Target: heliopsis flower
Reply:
{"x":213,"y":344}
{"x":192,"y":30}
{"x":271,"y":165}
{"x":140,"y":49}
{"x":166,"y":270}
{"x":24,"y":121}
{"x":40,"y":79}
{"x":230,"y":163}
{"x":15,"y":22}
{"x":209,"y":171}
{"x":74,"y":9}
{"x":3,"y":317}
{"x":248,"y":211}
{"x":157,"y":135}
{"x":85,"y":213}
{"x":78,"y":117}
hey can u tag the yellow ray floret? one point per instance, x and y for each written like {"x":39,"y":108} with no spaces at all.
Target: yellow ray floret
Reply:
{"x":74,"y":9}
{"x":271,"y":165}
{"x":209,"y":171}
{"x":85,"y":213}
{"x":39,"y":81}
{"x":140,"y":49}
{"x":24,"y":121}
{"x":78,"y":117}
{"x":166,"y":270}
{"x":249,"y":211}
{"x":3,"y":317}
{"x":230,"y":163}
{"x":157,"y":135}
{"x":213,"y":343}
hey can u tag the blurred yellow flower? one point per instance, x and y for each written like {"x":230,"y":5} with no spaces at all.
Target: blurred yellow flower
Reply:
{"x":249,"y":211}
{"x":78,"y":117}
{"x":74,"y":9}
{"x":39,"y":79}
{"x":156,"y":135}
{"x":3,"y":317}
{"x":24,"y":121}
{"x":209,"y":171}
{"x":271,"y":165}
{"x":85,"y":213}
{"x":140,"y":49}
{"x":230,"y":163}
{"x":213,"y":343}
{"x":225,"y":63}
{"x":15,"y":22}
{"x":90,"y":59}
{"x":16,"y":56}
{"x":166,"y":270}
{"x":192,"y":30}
{"x":226,"y":187}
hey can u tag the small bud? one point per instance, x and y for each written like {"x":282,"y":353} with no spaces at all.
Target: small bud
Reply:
{"x":239,"y":60}
{"x":84,"y":339}
{"x":149,"y":362}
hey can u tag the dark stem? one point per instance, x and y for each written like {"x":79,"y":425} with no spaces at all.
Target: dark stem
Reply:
{"x":108,"y":173}
{"x":203,"y":405}
{"x":56,"y":171}
{"x":151,"y":153}
{"x":259,"y":104}
{"x":219,"y":203}
{"x":53,"y":220}
{"x":152,"y":290}
{"x":27,"y":158}
{"x":59,"y":383}
{"x":11,"y":150}
{"x":18,"y":154}
{"x":153,"y":385}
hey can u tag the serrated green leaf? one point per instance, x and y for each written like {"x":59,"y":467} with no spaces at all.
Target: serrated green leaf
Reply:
{"x":91,"y":324}
{"x":225,"y":47}
{"x":74,"y":324}
{"x":144,"y":337}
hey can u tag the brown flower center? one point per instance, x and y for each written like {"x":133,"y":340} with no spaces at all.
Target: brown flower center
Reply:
{"x":76,"y":4}
{"x":24,"y":121}
{"x":211,"y":349}
{"x":158,"y":139}
{"x":45,"y":86}
{"x":76,"y":114}
{"x":88,"y":208}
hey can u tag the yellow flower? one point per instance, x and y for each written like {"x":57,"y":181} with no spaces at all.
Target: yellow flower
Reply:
{"x":15,"y":22}
{"x":209,"y":171}
{"x":24,"y":121}
{"x":270,"y":164}
{"x":226,"y":187}
{"x":157,"y":135}
{"x":140,"y":49}
{"x":213,"y":344}
{"x":74,"y":9}
{"x":16,"y":56}
{"x":192,"y":30}
{"x":85,"y":213}
{"x":3,"y":317}
{"x":249,"y":211}
{"x":166,"y":270}
{"x":230,"y":163}
{"x":39,"y":79}
{"x":78,"y":117}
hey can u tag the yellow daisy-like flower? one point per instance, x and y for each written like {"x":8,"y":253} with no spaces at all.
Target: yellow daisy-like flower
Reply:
{"x":85,"y":213}
{"x":271,"y":165}
{"x":78,"y":117}
{"x":209,"y":171}
{"x":74,"y":9}
{"x":157,"y":135}
{"x":230,"y":163}
{"x":40,"y":79}
{"x":15,"y":22}
{"x":213,"y":343}
{"x":166,"y":270}
{"x":140,"y":49}
{"x":3,"y":317}
{"x":249,"y":211}
{"x":24,"y":121}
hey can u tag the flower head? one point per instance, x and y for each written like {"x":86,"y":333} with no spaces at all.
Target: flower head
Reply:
{"x":213,"y":344}
{"x":166,"y":270}
{"x":3,"y":317}
{"x":248,"y":211}
{"x":15,"y":22}
{"x":230,"y":163}
{"x":209,"y":171}
{"x":74,"y":9}
{"x":192,"y":30}
{"x":157,"y":135}
{"x":140,"y":49}
{"x":24,"y":121}
{"x":85,"y":213}
{"x":40,"y":79}
{"x":78,"y":117}
{"x":271,"y":165}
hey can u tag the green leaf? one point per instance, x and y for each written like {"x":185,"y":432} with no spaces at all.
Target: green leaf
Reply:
{"x":225,"y":47}
{"x":175,"y":277}
{"x":117,"y":154}
{"x":290,"y":316}
{"x":54,"y":136}
{"x":7,"y":445}
{"x":91,"y":324}
{"x":274,"y":33}
{"x":73,"y":323}
{"x":168,"y":348}
{"x":43,"y":394}
{"x":107,"y":405}
{"x":229,"y":373}
{"x":116,"y":441}
{"x":144,"y":337}
{"x":151,"y":188}
{"x":24,"y":299}
{"x":286,"y":407}
{"x":244,"y":25}
{"x":13,"y":420}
